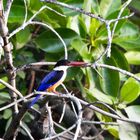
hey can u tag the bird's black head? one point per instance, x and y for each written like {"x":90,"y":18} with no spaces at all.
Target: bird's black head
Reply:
{"x":63,"y":62}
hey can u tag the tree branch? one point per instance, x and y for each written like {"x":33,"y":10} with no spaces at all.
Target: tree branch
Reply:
{"x":7,"y":47}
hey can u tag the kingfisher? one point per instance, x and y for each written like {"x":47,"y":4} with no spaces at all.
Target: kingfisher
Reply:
{"x":53,"y":79}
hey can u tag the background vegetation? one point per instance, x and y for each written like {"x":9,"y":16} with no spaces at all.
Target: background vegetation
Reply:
{"x":86,"y":39}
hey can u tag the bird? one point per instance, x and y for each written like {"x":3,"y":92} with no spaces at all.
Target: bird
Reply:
{"x":56,"y":77}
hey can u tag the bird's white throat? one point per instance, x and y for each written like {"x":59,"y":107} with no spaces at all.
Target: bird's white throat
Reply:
{"x":63,"y":68}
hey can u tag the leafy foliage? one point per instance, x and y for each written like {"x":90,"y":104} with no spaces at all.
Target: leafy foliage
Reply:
{"x":86,"y":39}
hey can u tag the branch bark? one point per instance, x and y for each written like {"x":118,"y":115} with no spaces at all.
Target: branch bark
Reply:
{"x":7,"y":47}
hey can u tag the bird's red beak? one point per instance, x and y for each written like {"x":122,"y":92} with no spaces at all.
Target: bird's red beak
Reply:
{"x":77,"y":64}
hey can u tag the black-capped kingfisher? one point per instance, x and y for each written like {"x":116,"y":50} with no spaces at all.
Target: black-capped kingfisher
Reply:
{"x":52,"y":80}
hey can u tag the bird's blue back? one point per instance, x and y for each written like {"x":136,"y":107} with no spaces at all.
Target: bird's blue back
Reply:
{"x":48,"y":81}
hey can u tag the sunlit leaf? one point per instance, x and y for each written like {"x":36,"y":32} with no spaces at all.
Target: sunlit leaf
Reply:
{"x":133,"y":57}
{"x":109,"y":6}
{"x":4,"y":79}
{"x":100,"y":96}
{"x":128,"y":36}
{"x":81,"y":48}
{"x":133,"y":112}
{"x":129,"y":91}
{"x":127,"y":131}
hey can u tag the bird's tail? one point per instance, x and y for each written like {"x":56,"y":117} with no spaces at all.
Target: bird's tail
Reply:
{"x":34,"y":100}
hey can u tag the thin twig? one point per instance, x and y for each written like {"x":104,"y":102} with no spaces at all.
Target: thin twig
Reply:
{"x":15,"y":102}
{"x":73,"y":107}
{"x":26,"y":11}
{"x":63,"y":112}
{"x":31,"y":65}
{"x":119,"y":15}
{"x":51,"y":126}
{"x":106,"y":105}
{"x":79,"y":118}
{"x":99,"y":123}
{"x":40,"y":23}
{"x":47,"y":26}
{"x":107,"y":22}
{"x":26,"y":130}
{"x":11,"y":88}
{"x":63,"y":128}
{"x":117,"y":69}
{"x":7,"y":10}
{"x":60,"y":134}
{"x":93,"y":137}
{"x":91,"y":106}
{"x":75,"y":9}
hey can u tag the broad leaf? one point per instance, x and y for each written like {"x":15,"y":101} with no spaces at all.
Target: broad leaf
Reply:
{"x":49,"y":42}
{"x":4,"y":79}
{"x":128,"y":36}
{"x":129,"y":91}
{"x":133,"y":112}
{"x":81,"y":48}
{"x":22,"y":37}
{"x":127,"y":131}
{"x":110,"y":80}
{"x":109,"y":6}
{"x":17,"y":14}
{"x":119,"y":58}
{"x":100,"y":96}
{"x":133,"y":57}
{"x":7,"y":113}
{"x":4,"y":97}
{"x":75,"y":3}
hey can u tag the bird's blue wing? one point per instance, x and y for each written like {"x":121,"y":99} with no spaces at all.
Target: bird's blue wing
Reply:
{"x":49,"y":80}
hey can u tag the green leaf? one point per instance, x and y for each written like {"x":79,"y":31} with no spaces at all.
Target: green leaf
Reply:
{"x":17,"y":14}
{"x":49,"y":42}
{"x":92,"y":78}
{"x":130,"y":44}
{"x":81,"y":48}
{"x":109,"y":6}
{"x":7,"y":114}
{"x":133,"y":112}
{"x":102,"y":117}
{"x":22,"y":37}
{"x":133,"y":57}
{"x":53,"y":18}
{"x":129,"y":91}
{"x":113,"y":130}
{"x":21,"y":74}
{"x":34,"y":5}
{"x":73,"y":23}
{"x":95,"y":7}
{"x":94,"y":27}
{"x":119,"y":58}
{"x":75,"y":3}
{"x":127,"y":31}
{"x":87,"y":6}
{"x":135,"y":4}
{"x":110,"y":80}
{"x":127,"y":131}
{"x":128,"y":36}
{"x":4,"y":97}
{"x":4,"y":79}
{"x":100,"y":96}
